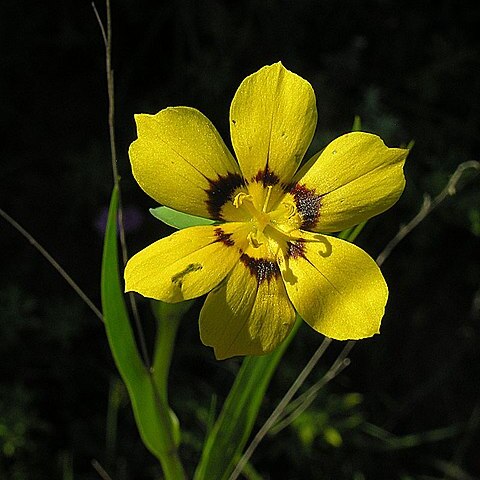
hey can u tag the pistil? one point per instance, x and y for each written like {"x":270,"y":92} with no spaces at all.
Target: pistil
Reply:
{"x":284,"y":220}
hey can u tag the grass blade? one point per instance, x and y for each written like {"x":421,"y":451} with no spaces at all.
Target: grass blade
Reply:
{"x":152,"y":414}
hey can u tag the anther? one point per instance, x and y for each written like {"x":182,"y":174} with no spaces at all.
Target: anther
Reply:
{"x":252,"y":238}
{"x":239,"y":199}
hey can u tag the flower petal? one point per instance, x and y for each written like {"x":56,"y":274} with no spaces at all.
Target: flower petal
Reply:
{"x":272,"y":122}
{"x":353,"y":179}
{"x":187,"y":264}
{"x":335,"y":286}
{"x":248,"y":314}
{"x":180,"y":160}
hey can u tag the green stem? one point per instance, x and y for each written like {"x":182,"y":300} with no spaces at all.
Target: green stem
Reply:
{"x":171,"y":465}
{"x":169,"y":434}
{"x":168,"y":320}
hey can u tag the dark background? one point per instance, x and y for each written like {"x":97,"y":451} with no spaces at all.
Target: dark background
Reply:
{"x":408,"y":407}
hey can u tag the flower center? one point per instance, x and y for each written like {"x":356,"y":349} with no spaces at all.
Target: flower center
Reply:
{"x":283,"y":219}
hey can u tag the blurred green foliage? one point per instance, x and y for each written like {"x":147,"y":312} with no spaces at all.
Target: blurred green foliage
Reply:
{"x":409,"y":70}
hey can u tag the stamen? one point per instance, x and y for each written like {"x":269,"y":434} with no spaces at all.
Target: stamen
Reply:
{"x":239,"y":199}
{"x":253,"y":240}
{"x":286,"y":219}
{"x":265,"y":204}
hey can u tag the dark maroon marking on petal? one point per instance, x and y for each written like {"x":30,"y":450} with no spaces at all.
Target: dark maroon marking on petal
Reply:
{"x":224,"y":237}
{"x":221,"y":191}
{"x":262,"y":269}
{"x":296,"y":249}
{"x":308,"y":204}
{"x":266,"y":177}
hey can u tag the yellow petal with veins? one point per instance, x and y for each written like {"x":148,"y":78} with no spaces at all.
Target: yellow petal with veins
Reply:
{"x":177,"y":155}
{"x":245,"y":315}
{"x":335,"y":287}
{"x":272,"y":121}
{"x":187,"y":264}
{"x":353,"y":179}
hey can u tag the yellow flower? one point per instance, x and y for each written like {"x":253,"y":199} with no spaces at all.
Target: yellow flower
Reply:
{"x":266,"y":257}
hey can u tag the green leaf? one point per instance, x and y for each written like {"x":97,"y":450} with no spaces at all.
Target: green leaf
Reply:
{"x":179,"y":220}
{"x":234,"y":425}
{"x":350,"y":234}
{"x":152,"y":414}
